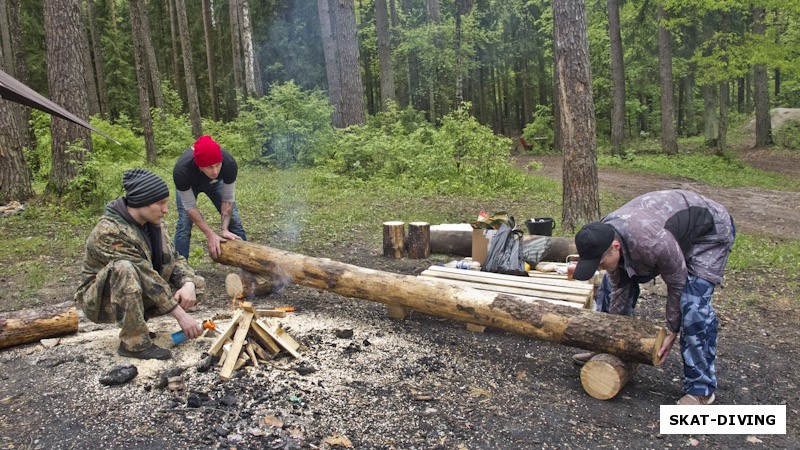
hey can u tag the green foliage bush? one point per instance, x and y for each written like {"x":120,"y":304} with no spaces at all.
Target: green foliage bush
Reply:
{"x":400,"y":146}
{"x":540,"y":134}
{"x":788,"y":135}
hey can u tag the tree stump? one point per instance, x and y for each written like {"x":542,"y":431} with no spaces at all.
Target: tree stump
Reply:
{"x":31,"y":325}
{"x":419,"y":240}
{"x":394,"y":239}
{"x":605,"y":375}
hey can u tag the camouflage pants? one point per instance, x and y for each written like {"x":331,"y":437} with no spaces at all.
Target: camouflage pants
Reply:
{"x":698,"y":331}
{"x":121,"y":301}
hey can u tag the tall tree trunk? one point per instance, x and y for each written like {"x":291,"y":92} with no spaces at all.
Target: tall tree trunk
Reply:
{"x":63,"y":28}
{"x":384,"y":53}
{"x":724,"y":99}
{"x":669,"y":137}
{"x":369,"y":84}
{"x":92,"y":100}
{"x":690,"y":119}
{"x":710,"y":113}
{"x":210,"y":61}
{"x":761,"y":89}
{"x":176,"y":65}
{"x":435,"y":17}
{"x":618,"y":79}
{"x":250,"y":66}
{"x":352,"y":90}
{"x":7,"y":52}
{"x":777,"y":94}
{"x":140,"y":59}
{"x":188,"y":70}
{"x":236,"y":46}
{"x":154,"y":75}
{"x":94,"y":35}
{"x":434,"y":11}
{"x":331,"y":62}
{"x":575,"y":114}
{"x":740,"y":95}
{"x":20,"y":67}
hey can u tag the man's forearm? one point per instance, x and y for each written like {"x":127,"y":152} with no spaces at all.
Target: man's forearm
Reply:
{"x":198,"y":220}
{"x":226,"y":211}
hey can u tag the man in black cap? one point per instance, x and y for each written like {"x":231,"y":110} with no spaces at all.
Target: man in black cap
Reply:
{"x":686,"y":239}
{"x":130,"y":268}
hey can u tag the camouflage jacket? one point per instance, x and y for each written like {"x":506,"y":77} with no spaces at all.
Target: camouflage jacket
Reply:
{"x":673,"y":234}
{"x":116,"y":238}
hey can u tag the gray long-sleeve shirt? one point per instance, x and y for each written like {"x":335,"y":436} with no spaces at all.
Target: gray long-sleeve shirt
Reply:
{"x":670,"y":233}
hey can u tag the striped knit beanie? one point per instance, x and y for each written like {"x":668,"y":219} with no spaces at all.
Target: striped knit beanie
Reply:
{"x":143,"y":187}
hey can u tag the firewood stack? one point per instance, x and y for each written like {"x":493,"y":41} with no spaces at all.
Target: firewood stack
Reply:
{"x":253,"y":337}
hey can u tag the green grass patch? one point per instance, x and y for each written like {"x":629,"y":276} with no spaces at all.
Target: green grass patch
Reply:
{"x":710,"y":169}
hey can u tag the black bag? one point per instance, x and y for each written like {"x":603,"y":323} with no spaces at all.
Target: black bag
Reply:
{"x":505,"y":253}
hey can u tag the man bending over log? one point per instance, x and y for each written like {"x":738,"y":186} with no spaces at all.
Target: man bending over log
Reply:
{"x":685,"y":238}
{"x":130,"y":266}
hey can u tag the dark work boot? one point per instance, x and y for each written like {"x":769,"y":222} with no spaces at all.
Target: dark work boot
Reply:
{"x":154,"y":352}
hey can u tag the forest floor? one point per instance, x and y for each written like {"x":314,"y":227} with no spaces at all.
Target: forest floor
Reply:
{"x":485,"y":390}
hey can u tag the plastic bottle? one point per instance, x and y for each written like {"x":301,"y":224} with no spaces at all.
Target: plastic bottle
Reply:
{"x":178,"y":337}
{"x":466,"y":264}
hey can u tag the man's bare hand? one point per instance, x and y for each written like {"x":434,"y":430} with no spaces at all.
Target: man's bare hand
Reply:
{"x":666,"y":346}
{"x":191,"y":327}
{"x":213,"y":244}
{"x":230,"y":236}
{"x":186,"y":296}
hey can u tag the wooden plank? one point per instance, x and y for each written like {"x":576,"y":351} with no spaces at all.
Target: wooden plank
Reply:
{"x":281,"y":337}
{"x":236,"y":346}
{"x":252,"y":354}
{"x":270,"y":313}
{"x":264,"y":337}
{"x":578,"y":297}
{"x":499,"y":278}
{"x":485,"y":287}
{"x":216,"y":348}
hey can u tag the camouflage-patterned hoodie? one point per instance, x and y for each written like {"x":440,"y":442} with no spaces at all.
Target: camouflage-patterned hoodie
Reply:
{"x":118,"y":237}
{"x":670,"y":233}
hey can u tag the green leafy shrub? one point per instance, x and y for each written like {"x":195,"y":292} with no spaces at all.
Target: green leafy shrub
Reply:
{"x":539,"y":134}
{"x":788,"y":135}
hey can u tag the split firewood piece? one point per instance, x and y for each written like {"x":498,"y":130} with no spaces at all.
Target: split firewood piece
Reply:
{"x":251,"y":353}
{"x":605,"y":375}
{"x":234,"y":287}
{"x":281,"y":337}
{"x":264,"y":338}
{"x":236,"y":346}
{"x":259,"y":351}
{"x":216,"y":348}
{"x":270,"y":313}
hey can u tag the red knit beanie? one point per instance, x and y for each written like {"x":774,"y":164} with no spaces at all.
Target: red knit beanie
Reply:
{"x":206,"y":152}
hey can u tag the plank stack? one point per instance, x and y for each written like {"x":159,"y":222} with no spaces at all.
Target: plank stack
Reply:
{"x":253,"y":337}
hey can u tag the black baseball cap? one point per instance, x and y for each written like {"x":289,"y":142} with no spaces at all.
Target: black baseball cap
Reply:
{"x":592,"y":241}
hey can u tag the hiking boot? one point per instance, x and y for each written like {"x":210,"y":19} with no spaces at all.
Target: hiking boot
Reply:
{"x":154,"y":352}
{"x":582,"y":358}
{"x":696,"y":399}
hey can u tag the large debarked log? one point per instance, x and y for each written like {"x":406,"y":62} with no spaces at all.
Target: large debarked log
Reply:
{"x":630,"y":339}
{"x":31,"y":325}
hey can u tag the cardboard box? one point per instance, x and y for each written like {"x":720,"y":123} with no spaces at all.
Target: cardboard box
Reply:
{"x":480,"y":245}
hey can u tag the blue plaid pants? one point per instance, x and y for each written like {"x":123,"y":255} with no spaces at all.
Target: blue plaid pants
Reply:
{"x":698,"y":331}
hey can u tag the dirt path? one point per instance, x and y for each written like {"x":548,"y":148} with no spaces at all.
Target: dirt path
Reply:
{"x":763,"y":211}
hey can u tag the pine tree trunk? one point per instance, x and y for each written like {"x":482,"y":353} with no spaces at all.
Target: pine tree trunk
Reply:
{"x":724,"y":99}
{"x":669,"y":137}
{"x":575,"y":114}
{"x":250,"y":66}
{"x":690,"y":120}
{"x":331,"y":63}
{"x":710,"y":109}
{"x":15,"y":177}
{"x":761,"y":89}
{"x":352,"y":90}
{"x":94,"y":36}
{"x":7,"y":52}
{"x":618,"y":79}
{"x":384,"y":53}
{"x":139,"y":58}
{"x":92,"y":100}
{"x":236,"y":46}
{"x":210,"y":61}
{"x":188,"y":70}
{"x":154,"y":75}
{"x":176,"y":65}
{"x":63,"y":28}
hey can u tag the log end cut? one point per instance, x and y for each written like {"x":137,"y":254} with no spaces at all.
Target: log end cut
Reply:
{"x":605,"y":375}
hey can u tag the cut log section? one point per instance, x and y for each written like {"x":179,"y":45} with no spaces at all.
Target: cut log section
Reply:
{"x":394,"y":239}
{"x":419,"y":240}
{"x":605,"y":375}
{"x":629,"y":338}
{"x":30,"y":325}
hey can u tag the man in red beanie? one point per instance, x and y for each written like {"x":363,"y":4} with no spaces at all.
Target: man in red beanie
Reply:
{"x":206,"y":167}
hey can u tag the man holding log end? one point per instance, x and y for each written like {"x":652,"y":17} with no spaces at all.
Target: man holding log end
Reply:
{"x":130,"y":267}
{"x":682,"y":236}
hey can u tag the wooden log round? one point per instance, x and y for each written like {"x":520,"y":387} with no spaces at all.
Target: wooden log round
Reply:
{"x":30,"y":325}
{"x":603,"y":376}
{"x":629,"y":338}
{"x":419,"y":240}
{"x":394,"y":239}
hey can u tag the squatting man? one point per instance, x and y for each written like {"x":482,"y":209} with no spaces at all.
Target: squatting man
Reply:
{"x":130,"y":268}
{"x":682,"y":236}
